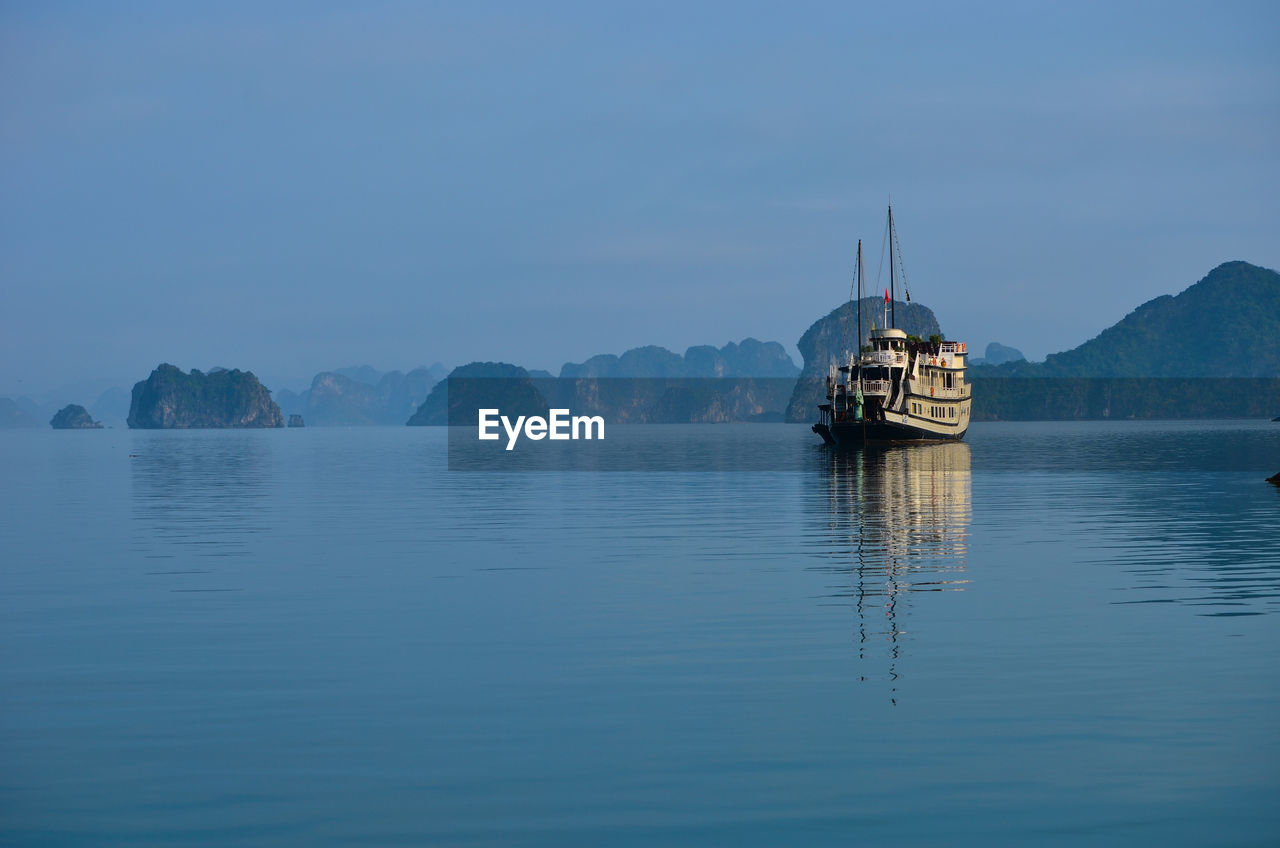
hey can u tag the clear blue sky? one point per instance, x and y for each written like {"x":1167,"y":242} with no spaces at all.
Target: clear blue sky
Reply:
{"x":293,"y":187}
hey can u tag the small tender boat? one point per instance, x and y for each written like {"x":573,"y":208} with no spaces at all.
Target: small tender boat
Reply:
{"x":896,"y":388}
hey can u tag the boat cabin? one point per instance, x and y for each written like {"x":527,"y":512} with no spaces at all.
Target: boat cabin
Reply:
{"x":889,"y":338}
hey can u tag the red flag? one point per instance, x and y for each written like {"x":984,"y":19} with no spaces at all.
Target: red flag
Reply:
{"x":886,"y":295}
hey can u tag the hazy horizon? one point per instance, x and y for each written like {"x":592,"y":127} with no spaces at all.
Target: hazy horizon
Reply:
{"x":291,"y":190}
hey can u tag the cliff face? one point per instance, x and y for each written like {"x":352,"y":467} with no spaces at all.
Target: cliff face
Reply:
{"x":338,"y":399}
{"x":832,"y":336}
{"x":170,"y":399}
{"x":998,"y":354}
{"x":621,"y":400}
{"x":73,"y":416}
{"x":479,"y":384}
{"x":749,"y":358}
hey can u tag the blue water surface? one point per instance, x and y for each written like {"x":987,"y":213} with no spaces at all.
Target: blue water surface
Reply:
{"x":1053,"y":633}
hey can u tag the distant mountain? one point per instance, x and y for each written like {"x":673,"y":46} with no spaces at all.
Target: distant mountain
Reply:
{"x":112,"y":405}
{"x":649,"y":361}
{"x":401,"y":394}
{"x":599,"y":387}
{"x":12,"y":415}
{"x":997,"y":354}
{"x":170,"y":399}
{"x":41,"y":402}
{"x":744,"y":381}
{"x":1226,"y":325}
{"x":748,"y":358}
{"x":831,"y":338}
{"x":371,"y":376}
{"x":37,"y":410}
{"x":336,"y":399}
{"x":291,"y":402}
{"x":366,"y":374}
{"x":480,"y":384}
{"x":1213,"y":349}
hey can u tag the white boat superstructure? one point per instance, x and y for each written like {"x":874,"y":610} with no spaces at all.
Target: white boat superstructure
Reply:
{"x":898,"y":387}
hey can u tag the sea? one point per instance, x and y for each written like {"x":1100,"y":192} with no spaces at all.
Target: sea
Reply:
{"x":1052,"y":633}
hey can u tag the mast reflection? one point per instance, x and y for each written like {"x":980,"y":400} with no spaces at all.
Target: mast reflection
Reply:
{"x":898,"y":521}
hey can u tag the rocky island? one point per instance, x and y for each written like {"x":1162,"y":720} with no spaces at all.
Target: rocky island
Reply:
{"x":1127,"y":370}
{"x":355,"y":397}
{"x":747,"y":381}
{"x":170,"y":399}
{"x":479,"y":384}
{"x":73,"y":416}
{"x":828,"y":337}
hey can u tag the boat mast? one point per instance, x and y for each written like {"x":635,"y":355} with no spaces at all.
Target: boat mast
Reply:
{"x":857,"y":272}
{"x":893,"y":295}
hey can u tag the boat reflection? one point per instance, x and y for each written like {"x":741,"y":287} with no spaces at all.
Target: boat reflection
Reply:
{"x":897,"y":523}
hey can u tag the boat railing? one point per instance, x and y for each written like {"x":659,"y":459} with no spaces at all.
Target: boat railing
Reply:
{"x":950,"y":348}
{"x":957,"y":392}
{"x":885,"y":357}
{"x":875,"y":387}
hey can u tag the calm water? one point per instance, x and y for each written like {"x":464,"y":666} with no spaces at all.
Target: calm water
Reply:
{"x":1054,"y":633}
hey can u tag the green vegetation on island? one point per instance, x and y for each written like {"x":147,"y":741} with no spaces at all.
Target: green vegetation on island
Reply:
{"x":469,"y":387}
{"x":1212,"y":351}
{"x":604,"y":386}
{"x":1226,"y":325}
{"x":170,"y":399}
{"x":832,"y":336}
{"x":73,"y":416}
{"x":748,"y":358}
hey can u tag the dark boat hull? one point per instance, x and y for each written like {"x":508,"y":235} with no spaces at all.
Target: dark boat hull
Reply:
{"x":880,"y":433}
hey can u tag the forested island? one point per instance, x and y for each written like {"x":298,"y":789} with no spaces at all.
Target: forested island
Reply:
{"x":73,"y":416}
{"x":170,"y":399}
{"x":1211,"y":351}
{"x":745,"y":381}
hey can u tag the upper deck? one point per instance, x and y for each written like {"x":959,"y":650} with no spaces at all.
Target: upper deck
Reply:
{"x":892,"y":347}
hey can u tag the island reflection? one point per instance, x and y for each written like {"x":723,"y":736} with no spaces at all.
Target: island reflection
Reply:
{"x":200,"y":493}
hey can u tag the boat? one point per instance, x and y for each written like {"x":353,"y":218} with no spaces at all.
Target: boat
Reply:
{"x":895,"y":388}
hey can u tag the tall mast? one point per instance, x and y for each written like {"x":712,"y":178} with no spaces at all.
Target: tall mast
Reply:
{"x":858,"y":273}
{"x":893,"y":295}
